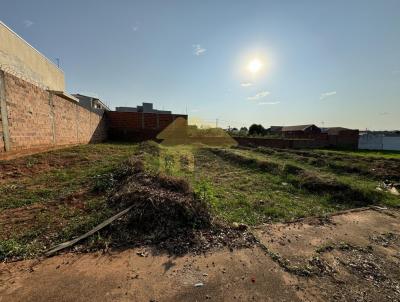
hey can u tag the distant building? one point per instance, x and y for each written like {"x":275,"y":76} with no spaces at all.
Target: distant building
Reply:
{"x":145,"y":108}
{"x":342,"y":137}
{"x":91,"y":103}
{"x":275,"y":129}
{"x":333,"y":137}
{"x":300,"y":131}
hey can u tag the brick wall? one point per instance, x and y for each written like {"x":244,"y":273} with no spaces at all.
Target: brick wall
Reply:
{"x":1,"y":136}
{"x":281,"y":143}
{"x":40,"y":119}
{"x":137,"y":126}
{"x":28,"y":114}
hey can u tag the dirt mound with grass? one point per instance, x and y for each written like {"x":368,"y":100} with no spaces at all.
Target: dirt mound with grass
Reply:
{"x":150,"y":147}
{"x":335,"y":189}
{"x":239,"y":159}
{"x":167,"y":215}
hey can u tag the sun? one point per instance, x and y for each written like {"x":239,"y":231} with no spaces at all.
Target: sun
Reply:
{"x":255,"y":65}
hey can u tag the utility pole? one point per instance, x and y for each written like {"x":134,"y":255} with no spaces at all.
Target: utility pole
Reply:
{"x":216,"y":123}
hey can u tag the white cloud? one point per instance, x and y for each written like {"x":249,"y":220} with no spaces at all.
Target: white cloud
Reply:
{"x":258,"y":96}
{"x":28,"y":23}
{"x":135,"y":28}
{"x":247,"y":84}
{"x":198,"y":50}
{"x":327,"y":95}
{"x":268,"y":103}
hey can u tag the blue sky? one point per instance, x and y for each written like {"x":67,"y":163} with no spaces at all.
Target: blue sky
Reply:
{"x":333,"y":63}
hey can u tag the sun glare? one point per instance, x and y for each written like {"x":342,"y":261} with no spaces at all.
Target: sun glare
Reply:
{"x":254,"y":65}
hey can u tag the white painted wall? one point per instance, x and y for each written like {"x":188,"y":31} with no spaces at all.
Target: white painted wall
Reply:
{"x":391,"y":143}
{"x":379,"y":142}
{"x":19,"y":58}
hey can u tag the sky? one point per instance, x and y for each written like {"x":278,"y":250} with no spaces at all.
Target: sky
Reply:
{"x":331,"y":63}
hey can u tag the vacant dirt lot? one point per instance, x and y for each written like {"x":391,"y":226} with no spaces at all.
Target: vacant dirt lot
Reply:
{"x":349,"y":257}
{"x":243,"y":224}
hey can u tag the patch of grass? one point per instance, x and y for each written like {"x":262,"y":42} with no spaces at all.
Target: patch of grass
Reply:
{"x":59,"y":180}
{"x":247,"y":192}
{"x":364,"y":153}
{"x":66,"y":198}
{"x":66,"y":190}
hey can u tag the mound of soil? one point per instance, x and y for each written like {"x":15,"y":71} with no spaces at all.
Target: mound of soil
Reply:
{"x":167,"y":215}
{"x":314,"y":183}
{"x":377,"y":168}
{"x":150,"y":147}
{"x":337,"y":191}
{"x":246,"y":161}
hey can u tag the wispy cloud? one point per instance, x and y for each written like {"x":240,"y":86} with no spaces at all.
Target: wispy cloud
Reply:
{"x":135,"y":28}
{"x":247,"y":84}
{"x":198,"y":50}
{"x":258,"y":96}
{"x":28,"y":23}
{"x":384,"y":113}
{"x":268,"y":103}
{"x":327,"y":95}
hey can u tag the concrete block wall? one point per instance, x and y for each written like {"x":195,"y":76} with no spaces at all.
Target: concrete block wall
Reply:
{"x":37,"y":118}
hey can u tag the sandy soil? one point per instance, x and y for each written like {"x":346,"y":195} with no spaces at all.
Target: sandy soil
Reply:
{"x":350,"y":257}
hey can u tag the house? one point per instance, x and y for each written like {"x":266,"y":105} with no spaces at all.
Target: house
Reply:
{"x":275,"y":129}
{"x":91,"y":103}
{"x":145,"y":108}
{"x":342,"y":137}
{"x":301,"y":131}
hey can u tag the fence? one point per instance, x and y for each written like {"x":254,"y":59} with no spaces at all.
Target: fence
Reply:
{"x":371,"y":141}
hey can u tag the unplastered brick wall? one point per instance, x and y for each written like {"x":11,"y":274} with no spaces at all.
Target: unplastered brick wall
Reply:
{"x":1,"y":135}
{"x":38,"y":118}
{"x":138,"y":126}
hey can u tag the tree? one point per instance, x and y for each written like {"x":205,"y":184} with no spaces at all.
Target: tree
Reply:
{"x":256,"y":130}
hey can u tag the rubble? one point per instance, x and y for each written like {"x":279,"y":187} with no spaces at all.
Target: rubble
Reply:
{"x":167,"y":215}
{"x":389,"y":186}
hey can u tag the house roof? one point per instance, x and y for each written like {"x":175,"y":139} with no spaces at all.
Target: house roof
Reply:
{"x":335,"y":130}
{"x":276,"y":128}
{"x":296,"y":128}
{"x":92,"y":97}
{"x":65,"y":95}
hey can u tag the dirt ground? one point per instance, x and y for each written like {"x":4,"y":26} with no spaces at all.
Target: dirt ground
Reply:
{"x":349,"y":257}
